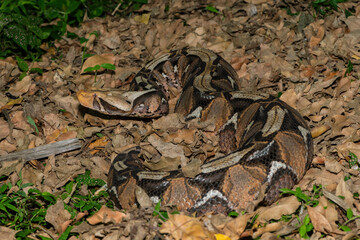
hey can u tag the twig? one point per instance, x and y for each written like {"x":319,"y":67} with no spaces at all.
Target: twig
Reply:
{"x":43,"y":151}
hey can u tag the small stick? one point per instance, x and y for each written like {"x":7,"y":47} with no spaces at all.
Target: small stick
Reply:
{"x":43,"y":151}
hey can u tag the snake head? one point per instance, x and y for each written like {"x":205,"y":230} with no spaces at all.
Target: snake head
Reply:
{"x":144,"y":104}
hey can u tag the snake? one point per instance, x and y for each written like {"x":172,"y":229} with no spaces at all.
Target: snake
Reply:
{"x":267,"y":144}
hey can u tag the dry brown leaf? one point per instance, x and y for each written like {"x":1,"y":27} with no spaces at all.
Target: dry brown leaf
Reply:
{"x":99,"y":143}
{"x":272,"y":227}
{"x":168,"y":150}
{"x":332,"y":165}
{"x":183,"y":227}
{"x":98,"y":60}
{"x":343,"y":190}
{"x":284,"y":206}
{"x":11,"y":103}
{"x":315,"y":40}
{"x":236,"y":227}
{"x":58,"y":216}
{"x":168,"y":121}
{"x":6,"y":146}
{"x":182,"y":135}
{"x":19,"y":121}
{"x":318,"y":220}
{"x":4,"y":129}
{"x":317,"y":131}
{"x":106,"y":215}
{"x":7,"y":233}
{"x":21,"y":87}
{"x":330,"y":212}
{"x":290,"y":97}
{"x":345,"y":148}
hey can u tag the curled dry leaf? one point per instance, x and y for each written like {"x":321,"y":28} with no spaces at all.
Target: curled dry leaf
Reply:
{"x":317,"y":131}
{"x":284,"y":206}
{"x":186,"y":228}
{"x":10,"y":104}
{"x":106,"y":215}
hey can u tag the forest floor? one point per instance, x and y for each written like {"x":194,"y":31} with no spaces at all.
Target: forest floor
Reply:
{"x":275,"y":47}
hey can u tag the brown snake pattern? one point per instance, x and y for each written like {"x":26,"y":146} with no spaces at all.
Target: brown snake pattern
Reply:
{"x":267,"y":143}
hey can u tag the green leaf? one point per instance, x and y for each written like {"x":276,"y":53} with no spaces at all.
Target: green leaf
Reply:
{"x":65,"y":234}
{"x":99,"y":135}
{"x":347,"y":13}
{"x":349,"y":68}
{"x":349,"y":213}
{"x":346,"y":178}
{"x":108,"y":66}
{"x":4,"y":20}
{"x":353,"y":159}
{"x":306,"y":220}
{"x":303,"y":232}
{"x":36,"y":70}
{"x":94,"y":68}
{"x":211,"y":9}
{"x":11,"y":207}
{"x":345,"y":228}
{"x":25,"y":185}
{"x":49,"y":197}
{"x":69,"y":187}
{"x":233,"y":214}
{"x":17,"y":34}
{"x":3,"y":188}
{"x":24,"y":67}
{"x":32,"y":123}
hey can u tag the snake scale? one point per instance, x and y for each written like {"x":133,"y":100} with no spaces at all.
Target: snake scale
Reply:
{"x":267,"y":143}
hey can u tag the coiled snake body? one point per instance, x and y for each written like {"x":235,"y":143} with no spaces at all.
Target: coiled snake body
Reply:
{"x":268,"y":144}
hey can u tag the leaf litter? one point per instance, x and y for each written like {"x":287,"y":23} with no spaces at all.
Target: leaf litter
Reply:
{"x":302,"y":58}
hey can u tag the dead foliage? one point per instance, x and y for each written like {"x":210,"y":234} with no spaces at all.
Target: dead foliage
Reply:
{"x":305,"y":59}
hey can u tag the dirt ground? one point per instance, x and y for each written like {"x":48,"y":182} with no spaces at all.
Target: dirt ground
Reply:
{"x":313,"y":62}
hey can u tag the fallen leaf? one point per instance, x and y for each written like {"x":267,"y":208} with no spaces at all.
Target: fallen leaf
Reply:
{"x":271,"y":227}
{"x":58,"y":216}
{"x":106,"y":215}
{"x":98,"y":60}
{"x":317,"y":131}
{"x":99,"y":143}
{"x":236,"y":227}
{"x":21,"y":87}
{"x":7,"y":233}
{"x":168,"y":150}
{"x":284,"y":206}
{"x":143,"y":18}
{"x":4,"y":129}
{"x":319,"y":222}
{"x":183,"y":227}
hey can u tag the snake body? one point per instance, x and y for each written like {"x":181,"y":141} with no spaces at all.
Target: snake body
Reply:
{"x":267,"y":143}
